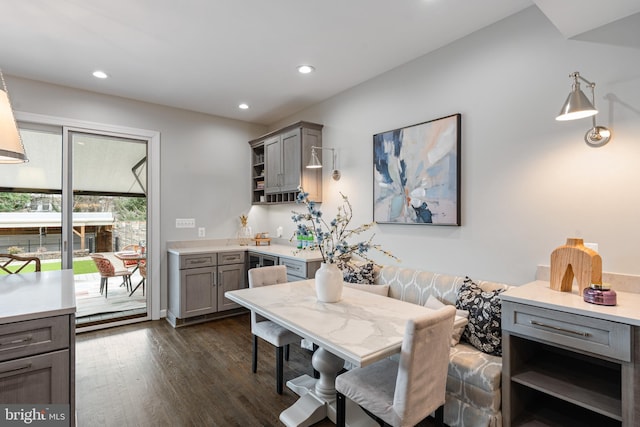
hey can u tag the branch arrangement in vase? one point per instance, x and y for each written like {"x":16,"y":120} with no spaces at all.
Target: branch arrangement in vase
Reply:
{"x":332,"y":238}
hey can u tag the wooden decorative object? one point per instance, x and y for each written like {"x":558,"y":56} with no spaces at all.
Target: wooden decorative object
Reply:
{"x":262,"y":238}
{"x":575,"y":260}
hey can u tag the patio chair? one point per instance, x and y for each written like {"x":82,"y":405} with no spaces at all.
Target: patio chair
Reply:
{"x":107,"y":270}
{"x":17,"y":263}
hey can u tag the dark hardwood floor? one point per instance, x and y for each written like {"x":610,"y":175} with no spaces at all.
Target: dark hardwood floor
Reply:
{"x":150,"y":374}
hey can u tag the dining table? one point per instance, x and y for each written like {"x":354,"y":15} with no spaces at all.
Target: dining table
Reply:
{"x":362,"y":328}
{"x":136,"y":256}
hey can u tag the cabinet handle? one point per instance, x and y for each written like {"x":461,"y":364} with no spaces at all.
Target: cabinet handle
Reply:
{"x":558,"y":328}
{"x":199,"y":261}
{"x":219,"y":278}
{"x":20,"y":341}
{"x":21,"y":368}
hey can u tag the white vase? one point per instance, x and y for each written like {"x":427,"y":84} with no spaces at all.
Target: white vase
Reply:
{"x":329,"y":283}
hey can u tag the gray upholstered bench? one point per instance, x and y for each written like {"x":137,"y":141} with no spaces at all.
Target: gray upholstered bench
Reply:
{"x":474,"y":379}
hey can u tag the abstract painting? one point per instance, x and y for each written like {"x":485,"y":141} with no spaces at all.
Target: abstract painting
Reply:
{"x":417,"y":173}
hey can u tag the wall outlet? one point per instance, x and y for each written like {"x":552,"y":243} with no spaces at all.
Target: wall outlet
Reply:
{"x":592,"y":246}
{"x":185,"y":223}
{"x":201,"y":232}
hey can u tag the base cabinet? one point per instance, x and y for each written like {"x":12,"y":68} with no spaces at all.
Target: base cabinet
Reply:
{"x":37,"y":362}
{"x":298,"y":269}
{"x":197,"y":284}
{"x":566,"y":369}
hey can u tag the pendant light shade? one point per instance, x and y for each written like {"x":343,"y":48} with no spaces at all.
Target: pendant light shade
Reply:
{"x":11,"y":148}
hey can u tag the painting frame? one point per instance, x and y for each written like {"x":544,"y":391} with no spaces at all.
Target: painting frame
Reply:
{"x":417,"y":173}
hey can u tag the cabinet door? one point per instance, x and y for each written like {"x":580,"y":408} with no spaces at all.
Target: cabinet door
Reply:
{"x":231,"y":278}
{"x":198,"y":291}
{"x":291,"y":160}
{"x":260,"y":260}
{"x":37,"y":379}
{"x":273,"y":165}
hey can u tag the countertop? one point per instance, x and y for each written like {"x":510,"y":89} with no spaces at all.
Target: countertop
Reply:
{"x":539,"y":294}
{"x":273,"y":249}
{"x":27,"y":296}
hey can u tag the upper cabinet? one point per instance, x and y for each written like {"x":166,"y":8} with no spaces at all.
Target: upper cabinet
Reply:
{"x":278,"y":164}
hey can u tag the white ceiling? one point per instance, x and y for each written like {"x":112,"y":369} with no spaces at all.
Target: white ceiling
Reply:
{"x":211,"y":55}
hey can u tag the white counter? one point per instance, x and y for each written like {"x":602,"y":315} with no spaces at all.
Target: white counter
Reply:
{"x":273,"y":249}
{"x":626,"y":311}
{"x":27,"y":296}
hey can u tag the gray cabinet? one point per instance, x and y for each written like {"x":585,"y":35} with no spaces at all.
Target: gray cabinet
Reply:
{"x":561,"y":368}
{"x":257,"y":259}
{"x":37,"y":362}
{"x":197,"y":284}
{"x":298,"y":269}
{"x":279,"y":162}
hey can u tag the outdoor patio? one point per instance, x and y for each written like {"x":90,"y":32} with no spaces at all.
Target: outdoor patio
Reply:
{"x":92,"y":306}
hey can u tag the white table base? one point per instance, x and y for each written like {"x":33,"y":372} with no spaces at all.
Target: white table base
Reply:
{"x":318,"y":396}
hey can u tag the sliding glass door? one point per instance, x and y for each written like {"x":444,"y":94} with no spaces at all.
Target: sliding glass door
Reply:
{"x":82,"y":194}
{"x":109,"y":225}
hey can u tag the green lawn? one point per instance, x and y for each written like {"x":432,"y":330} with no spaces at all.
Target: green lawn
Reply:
{"x":79,"y":267}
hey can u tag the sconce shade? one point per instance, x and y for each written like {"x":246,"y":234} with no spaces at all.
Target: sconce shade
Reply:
{"x":11,"y":148}
{"x":315,"y":162}
{"x":577,"y":106}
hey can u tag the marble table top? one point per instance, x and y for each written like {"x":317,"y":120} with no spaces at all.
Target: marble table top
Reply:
{"x":362,"y":328}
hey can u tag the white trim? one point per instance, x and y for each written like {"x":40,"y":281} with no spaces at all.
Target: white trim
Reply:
{"x":153,"y":191}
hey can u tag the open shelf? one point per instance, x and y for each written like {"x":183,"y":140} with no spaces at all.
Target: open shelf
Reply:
{"x":590,"y":383}
{"x":544,"y":410}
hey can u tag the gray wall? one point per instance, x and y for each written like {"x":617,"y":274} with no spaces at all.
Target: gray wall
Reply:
{"x":528,"y":181}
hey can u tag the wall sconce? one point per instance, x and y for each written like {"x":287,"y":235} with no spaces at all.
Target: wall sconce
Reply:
{"x":578,"y":106}
{"x":315,"y":162}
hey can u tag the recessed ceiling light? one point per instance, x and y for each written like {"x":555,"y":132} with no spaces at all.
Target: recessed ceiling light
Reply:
{"x":100,"y":74}
{"x":243,"y":106}
{"x":305,"y":69}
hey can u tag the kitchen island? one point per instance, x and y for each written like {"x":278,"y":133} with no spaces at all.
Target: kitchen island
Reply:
{"x":37,"y":341}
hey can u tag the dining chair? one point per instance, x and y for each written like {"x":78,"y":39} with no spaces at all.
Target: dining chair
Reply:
{"x":404,"y":392}
{"x":17,"y":263}
{"x":267,"y":330}
{"x":142,"y":268}
{"x":107,"y":270}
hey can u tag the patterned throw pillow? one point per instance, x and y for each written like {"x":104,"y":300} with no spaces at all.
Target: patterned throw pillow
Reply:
{"x":484,"y":330}
{"x":363,"y":273}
